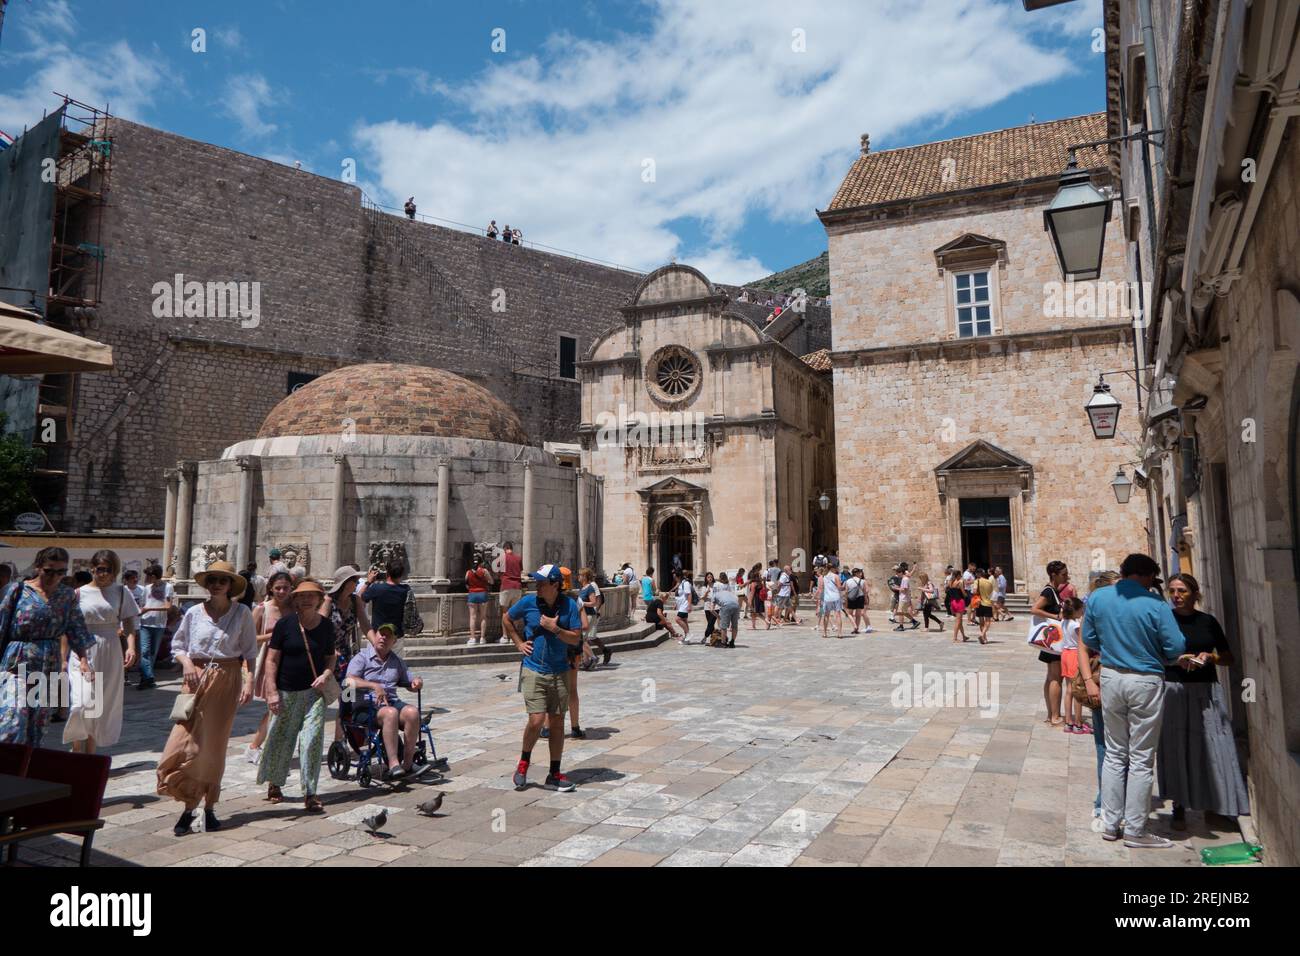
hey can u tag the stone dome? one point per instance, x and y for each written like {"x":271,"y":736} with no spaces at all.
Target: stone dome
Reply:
{"x":391,"y":399}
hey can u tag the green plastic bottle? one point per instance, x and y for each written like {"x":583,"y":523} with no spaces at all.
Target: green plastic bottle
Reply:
{"x":1234,"y":854}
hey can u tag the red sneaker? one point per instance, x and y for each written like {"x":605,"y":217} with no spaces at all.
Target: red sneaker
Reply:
{"x":521,"y":775}
{"x":558,"y":781}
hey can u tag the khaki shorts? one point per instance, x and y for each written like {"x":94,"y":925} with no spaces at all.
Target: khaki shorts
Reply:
{"x":507,"y":598}
{"x":545,"y":693}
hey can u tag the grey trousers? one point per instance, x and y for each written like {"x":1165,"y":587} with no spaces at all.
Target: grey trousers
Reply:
{"x":1132,"y":707}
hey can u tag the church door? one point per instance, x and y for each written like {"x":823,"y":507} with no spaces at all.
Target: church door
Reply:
{"x":675,"y":538}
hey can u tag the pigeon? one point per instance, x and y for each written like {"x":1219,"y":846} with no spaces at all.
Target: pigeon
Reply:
{"x":502,"y":676}
{"x":430,"y":807}
{"x":376,"y":820}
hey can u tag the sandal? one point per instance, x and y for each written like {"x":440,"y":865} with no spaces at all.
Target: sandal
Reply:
{"x":312,"y":804}
{"x":273,"y":794}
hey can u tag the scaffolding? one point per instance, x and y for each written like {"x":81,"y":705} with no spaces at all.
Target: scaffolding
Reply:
{"x":81,"y":176}
{"x":82,"y":173}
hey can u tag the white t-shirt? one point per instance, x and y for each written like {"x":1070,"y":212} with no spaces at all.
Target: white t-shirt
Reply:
{"x":1069,"y":635}
{"x":1002,"y":584}
{"x":105,"y":610}
{"x":684,"y":591}
{"x":967,"y":581}
{"x":853,"y":588}
{"x":904,"y":586}
{"x":830,"y":587}
{"x":784,"y":586}
{"x":157,"y":595}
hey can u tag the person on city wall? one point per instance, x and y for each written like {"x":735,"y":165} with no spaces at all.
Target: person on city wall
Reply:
{"x":216,"y":645}
{"x":1047,"y":607}
{"x":97,"y":678}
{"x":35,"y":615}
{"x":1197,"y":767}
{"x":1136,"y":635}
{"x":298,"y":660}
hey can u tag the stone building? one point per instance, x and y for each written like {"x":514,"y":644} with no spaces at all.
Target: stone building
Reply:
{"x":961,"y":366}
{"x":190,"y":232}
{"x":369,"y":462}
{"x":1220,"y":245}
{"x":713,"y":439}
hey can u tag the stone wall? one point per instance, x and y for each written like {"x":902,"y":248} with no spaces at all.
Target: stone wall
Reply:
{"x":889,"y":291}
{"x":391,"y":498}
{"x":909,"y":394}
{"x":1249,"y":424}
{"x":335,"y":289}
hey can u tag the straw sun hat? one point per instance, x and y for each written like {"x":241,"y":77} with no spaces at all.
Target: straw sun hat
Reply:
{"x":225,"y":569}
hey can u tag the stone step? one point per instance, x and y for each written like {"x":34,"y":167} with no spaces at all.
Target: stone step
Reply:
{"x":434,"y":652}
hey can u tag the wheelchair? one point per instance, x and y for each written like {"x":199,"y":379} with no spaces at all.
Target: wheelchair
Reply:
{"x":363,"y":744}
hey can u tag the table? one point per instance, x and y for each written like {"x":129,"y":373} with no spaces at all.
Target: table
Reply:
{"x":19,"y":792}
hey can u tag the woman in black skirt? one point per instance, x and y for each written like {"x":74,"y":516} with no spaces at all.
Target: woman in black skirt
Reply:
{"x":1197,"y":766}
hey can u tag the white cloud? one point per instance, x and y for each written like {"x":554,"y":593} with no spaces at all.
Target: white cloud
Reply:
{"x":39,"y":22}
{"x":735,"y":120}
{"x":245,"y":98}
{"x":115,"y":76}
{"x":229,"y":37}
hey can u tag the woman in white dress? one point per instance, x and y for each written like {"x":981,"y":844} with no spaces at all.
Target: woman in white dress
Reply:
{"x":96,"y":679}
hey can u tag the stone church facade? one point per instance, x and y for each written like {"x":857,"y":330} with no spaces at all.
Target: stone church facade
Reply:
{"x":713,"y":439}
{"x":959,"y":390}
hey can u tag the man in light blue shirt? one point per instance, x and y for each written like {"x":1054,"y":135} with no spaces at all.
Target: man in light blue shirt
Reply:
{"x":1136,"y":634}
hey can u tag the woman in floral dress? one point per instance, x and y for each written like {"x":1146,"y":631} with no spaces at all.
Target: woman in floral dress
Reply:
{"x":34,"y":616}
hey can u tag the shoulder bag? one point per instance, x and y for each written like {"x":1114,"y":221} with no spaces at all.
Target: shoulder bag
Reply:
{"x":329,"y":690}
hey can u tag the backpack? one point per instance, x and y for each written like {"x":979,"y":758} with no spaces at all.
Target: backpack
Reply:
{"x":695,"y":598}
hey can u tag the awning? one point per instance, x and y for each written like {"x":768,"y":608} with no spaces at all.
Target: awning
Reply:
{"x":29,"y":348}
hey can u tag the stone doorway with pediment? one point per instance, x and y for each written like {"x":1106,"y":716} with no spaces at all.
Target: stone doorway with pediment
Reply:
{"x":674,"y":513}
{"x":982,"y":490}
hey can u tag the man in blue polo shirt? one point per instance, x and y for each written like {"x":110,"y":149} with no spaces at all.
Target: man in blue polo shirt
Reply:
{"x":551,"y":622}
{"x":1136,"y":635}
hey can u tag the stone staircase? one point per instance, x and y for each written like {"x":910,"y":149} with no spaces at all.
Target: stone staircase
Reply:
{"x":449,"y":650}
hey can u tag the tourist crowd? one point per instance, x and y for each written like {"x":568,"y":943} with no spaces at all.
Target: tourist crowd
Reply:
{"x":1143,"y":668}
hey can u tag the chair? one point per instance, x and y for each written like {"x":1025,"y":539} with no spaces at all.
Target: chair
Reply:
{"x":14,"y":759}
{"x":87,"y":774}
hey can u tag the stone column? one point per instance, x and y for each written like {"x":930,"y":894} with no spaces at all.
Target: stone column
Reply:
{"x":598,"y":523}
{"x":170,"y":477}
{"x":581,"y":484}
{"x":700,"y":557}
{"x":336,"y":511}
{"x":184,"y":517}
{"x":440,"y":578}
{"x":527,"y":552}
{"x":244,"y":548}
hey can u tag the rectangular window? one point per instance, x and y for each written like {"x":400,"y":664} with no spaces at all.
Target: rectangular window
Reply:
{"x":568,"y":357}
{"x":974,"y":309}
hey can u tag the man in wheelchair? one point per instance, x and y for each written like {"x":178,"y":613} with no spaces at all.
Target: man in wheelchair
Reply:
{"x":374,"y":676}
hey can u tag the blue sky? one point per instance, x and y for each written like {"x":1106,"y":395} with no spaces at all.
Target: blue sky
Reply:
{"x":632,"y":132}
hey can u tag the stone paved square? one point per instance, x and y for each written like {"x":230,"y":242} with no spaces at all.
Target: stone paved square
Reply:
{"x":785,"y":751}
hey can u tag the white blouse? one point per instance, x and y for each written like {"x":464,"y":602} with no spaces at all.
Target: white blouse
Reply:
{"x":233,"y":636}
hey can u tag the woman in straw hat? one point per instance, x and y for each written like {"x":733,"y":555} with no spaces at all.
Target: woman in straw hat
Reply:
{"x":215,"y":644}
{"x":299,"y":659}
{"x":347,"y":613}
{"x":278,"y":604}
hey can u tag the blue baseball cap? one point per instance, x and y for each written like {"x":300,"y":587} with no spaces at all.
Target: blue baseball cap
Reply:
{"x":548,"y":572}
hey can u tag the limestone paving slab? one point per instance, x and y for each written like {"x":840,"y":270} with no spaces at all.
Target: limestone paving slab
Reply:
{"x":788,"y":750}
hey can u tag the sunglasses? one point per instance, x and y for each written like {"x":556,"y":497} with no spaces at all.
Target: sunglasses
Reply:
{"x":211,"y":581}
{"x":50,"y":572}
{"x":103,"y":570}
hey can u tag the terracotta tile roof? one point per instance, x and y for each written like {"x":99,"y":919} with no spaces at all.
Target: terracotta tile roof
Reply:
{"x":819,"y":361}
{"x":985,"y":159}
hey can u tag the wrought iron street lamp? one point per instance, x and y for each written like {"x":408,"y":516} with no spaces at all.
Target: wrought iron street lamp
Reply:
{"x":1103,"y":411}
{"x":1122,"y":486}
{"x":1076,"y":219}
{"x":824,"y":501}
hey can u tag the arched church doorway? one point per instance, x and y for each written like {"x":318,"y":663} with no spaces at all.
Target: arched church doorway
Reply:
{"x":675,"y":539}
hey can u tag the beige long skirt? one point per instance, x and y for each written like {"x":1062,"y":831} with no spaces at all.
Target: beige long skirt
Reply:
{"x":194,"y":759}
